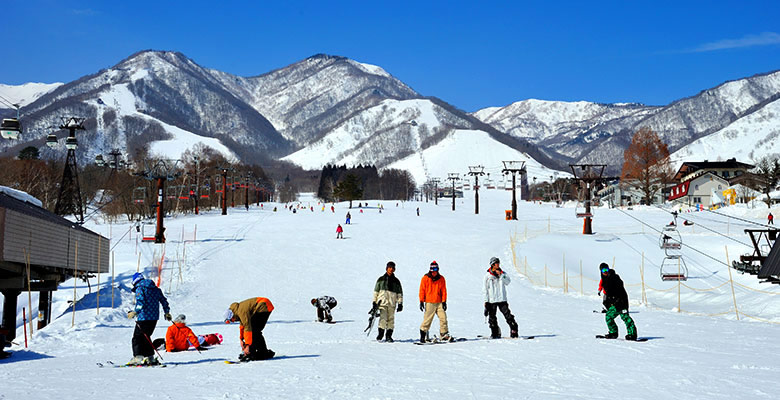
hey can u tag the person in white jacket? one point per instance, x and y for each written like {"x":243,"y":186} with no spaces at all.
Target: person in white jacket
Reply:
{"x":494,"y":290}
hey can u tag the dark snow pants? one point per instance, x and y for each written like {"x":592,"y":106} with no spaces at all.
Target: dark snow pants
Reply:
{"x":613,"y":313}
{"x":141,"y":337}
{"x":323,"y":314}
{"x":493,"y":321}
{"x":258,"y":349}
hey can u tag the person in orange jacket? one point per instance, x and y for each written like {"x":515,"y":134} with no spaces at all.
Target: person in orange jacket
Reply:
{"x":252,"y":314}
{"x":433,"y":301}
{"x":179,"y":336}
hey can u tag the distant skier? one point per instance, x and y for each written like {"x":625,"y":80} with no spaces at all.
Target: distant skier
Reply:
{"x":339,"y":232}
{"x":388,"y":298}
{"x":616,"y":303}
{"x":494,"y":290}
{"x":349,"y":217}
{"x":418,"y":211}
{"x":433,"y":301}
{"x":332,"y":209}
{"x":252,"y":314}
{"x":770,"y":219}
{"x":324,"y":304}
{"x":148,"y":298}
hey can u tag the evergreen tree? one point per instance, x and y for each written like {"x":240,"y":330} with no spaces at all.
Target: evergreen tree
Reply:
{"x":29,"y":153}
{"x":349,"y":189}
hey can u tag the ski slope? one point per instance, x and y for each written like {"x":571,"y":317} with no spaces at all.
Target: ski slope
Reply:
{"x":291,"y":258}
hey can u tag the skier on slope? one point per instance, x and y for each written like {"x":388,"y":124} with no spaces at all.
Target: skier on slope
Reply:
{"x":339,"y":232}
{"x":324,"y":304}
{"x":148,"y":299}
{"x":388,"y":298}
{"x":349,"y":217}
{"x":494,"y":291}
{"x":616,"y":303}
{"x":770,"y":219}
{"x":433,"y":301}
{"x":252,"y":314}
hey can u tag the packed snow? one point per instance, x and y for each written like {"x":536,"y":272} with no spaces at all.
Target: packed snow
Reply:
{"x":293,"y":257}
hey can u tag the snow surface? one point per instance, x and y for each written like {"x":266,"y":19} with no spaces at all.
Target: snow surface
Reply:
{"x":26,"y":93}
{"x":372,"y":69}
{"x":291,"y":258}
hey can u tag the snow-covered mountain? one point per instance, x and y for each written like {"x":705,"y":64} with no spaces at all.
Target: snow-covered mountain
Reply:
{"x":599,"y":133}
{"x":323,"y":109}
{"x":26,"y":93}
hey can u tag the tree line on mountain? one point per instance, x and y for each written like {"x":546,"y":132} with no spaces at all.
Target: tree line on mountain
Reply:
{"x":339,"y":183}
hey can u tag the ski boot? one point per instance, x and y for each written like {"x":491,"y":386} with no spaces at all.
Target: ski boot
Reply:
{"x":380,"y":335}
{"x":611,"y":335}
{"x":136,"y":360}
{"x":148,"y":361}
{"x":389,"y":336}
{"x":513,"y":334}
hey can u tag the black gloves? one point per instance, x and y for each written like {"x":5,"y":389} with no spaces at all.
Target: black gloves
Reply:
{"x":168,"y":316}
{"x":486,"y":309}
{"x":400,"y":307}
{"x":422,"y":306}
{"x":374,"y":307}
{"x":444,"y":306}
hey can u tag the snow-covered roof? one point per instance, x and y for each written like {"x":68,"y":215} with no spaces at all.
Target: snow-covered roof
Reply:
{"x":19,"y":195}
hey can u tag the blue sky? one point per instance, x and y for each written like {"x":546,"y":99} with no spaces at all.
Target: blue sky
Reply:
{"x":471,"y":54}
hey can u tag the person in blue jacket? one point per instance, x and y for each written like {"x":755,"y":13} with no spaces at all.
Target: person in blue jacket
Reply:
{"x":148,"y":298}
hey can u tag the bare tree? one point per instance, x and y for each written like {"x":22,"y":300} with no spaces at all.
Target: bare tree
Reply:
{"x":766,"y":175}
{"x":646,"y":165}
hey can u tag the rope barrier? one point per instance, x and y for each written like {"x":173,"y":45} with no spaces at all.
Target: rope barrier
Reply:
{"x":756,"y":290}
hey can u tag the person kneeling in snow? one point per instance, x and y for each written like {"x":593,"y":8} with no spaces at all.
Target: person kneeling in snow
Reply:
{"x":252,"y":314}
{"x":324,"y":304}
{"x":616,"y":303}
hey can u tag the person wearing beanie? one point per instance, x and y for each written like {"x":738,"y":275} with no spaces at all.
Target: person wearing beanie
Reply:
{"x":324,"y":305}
{"x":388,"y":298}
{"x":433,"y":301}
{"x":494,"y":291}
{"x":252,"y":315}
{"x":148,"y":298}
{"x":179,"y":336}
{"x":616,"y":303}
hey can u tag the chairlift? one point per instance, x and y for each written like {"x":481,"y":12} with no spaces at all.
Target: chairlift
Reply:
{"x":139,"y":195}
{"x":71,"y":143}
{"x":205,"y":191}
{"x":112,"y":164}
{"x":670,"y":240}
{"x":673,"y":268}
{"x":51,"y":140}
{"x":99,"y":161}
{"x":11,"y":128}
{"x":170,"y":192}
{"x":148,"y":230}
{"x":580,"y":210}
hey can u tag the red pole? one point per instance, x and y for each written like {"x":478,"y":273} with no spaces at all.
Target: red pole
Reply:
{"x":24,"y":320}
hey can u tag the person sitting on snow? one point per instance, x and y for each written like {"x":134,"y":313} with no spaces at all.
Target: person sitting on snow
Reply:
{"x":324,"y":304}
{"x":179,"y":336}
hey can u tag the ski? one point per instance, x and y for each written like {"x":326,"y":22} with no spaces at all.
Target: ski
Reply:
{"x":625,"y":340}
{"x":110,"y":364}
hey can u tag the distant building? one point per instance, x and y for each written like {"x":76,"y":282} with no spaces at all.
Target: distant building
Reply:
{"x":703,"y":182}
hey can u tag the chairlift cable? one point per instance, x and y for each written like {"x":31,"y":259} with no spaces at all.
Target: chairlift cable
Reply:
{"x":711,"y":230}
{"x":742,"y":219}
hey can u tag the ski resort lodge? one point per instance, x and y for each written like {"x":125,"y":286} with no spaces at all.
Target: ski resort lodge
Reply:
{"x":703,"y":182}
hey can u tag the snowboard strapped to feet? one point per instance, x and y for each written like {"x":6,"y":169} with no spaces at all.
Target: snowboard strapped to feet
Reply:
{"x":615,"y":338}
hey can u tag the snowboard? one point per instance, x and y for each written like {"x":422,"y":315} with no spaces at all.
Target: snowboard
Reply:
{"x":439,"y":341}
{"x":505,"y":337}
{"x":623,"y":339}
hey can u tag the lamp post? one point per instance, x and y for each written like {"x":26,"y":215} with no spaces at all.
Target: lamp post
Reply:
{"x":476,"y":171}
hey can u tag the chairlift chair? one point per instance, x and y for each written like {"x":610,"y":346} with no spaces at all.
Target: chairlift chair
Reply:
{"x":170,"y":192}
{"x":673,"y":268}
{"x":51,"y":140}
{"x":10,"y":128}
{"x":139,"y":195}
{"x":205,"y":191}
{"x":670,"y":240}
{"x":148,"y":230}
{"x":99,"y":161}
{"x":71,"y":143}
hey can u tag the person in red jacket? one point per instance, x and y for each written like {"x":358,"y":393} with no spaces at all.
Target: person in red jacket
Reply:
{"x":339,"y":232}
{"x":770,"y":219}
{"x":433,"y":301}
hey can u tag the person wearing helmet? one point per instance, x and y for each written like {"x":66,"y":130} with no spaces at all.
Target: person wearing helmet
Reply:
{"x":179,"y":336}
{"x":148,"y":298}
{"x":494,"y":291}
{"x":388,"y":298}
{"x":433,"y":301}
{"x":252,"y":315}
{"x":324,"y":304}
{"x":616,"y":303}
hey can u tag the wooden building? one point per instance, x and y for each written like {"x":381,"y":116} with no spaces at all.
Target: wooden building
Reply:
{"x":50,"y":244}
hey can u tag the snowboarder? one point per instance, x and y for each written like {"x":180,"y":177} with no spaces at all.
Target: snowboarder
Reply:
{"x":339,"y":232}
{"x":770,"y":219}
{"x":616,"y":303}
{"x":433,"y":301}
{"x":349,"y":217}
{"x":388,"y":298}
{"x":324,"y":304}
{"x":179,"y":336}
{"x":418,"y":211}
{"x":148,"y":298}
{"x":252,"y":314}
{"x":494,"y":290}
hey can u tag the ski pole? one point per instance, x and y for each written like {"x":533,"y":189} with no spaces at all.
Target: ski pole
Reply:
{"x":149,"y":340}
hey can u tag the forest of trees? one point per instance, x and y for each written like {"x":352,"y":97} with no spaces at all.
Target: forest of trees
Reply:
{"x":339,"y":183}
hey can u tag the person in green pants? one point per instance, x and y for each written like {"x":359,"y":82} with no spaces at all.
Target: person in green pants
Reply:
{"x":616,"y":303}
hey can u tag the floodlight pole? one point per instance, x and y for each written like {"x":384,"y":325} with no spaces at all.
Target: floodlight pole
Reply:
{"x":453,"y":176}
{"x":476,"y":171}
